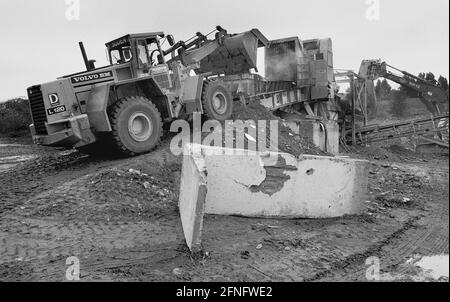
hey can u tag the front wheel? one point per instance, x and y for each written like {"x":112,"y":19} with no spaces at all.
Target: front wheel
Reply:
{"x":137,"y":125}
{"x":217,"y":101}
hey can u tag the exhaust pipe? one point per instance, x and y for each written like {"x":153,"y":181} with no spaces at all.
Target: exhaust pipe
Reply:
{"x":90,"y":64}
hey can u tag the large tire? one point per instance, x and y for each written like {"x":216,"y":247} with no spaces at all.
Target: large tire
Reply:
{"x":137,"y":125}
{"x":217,"y":101}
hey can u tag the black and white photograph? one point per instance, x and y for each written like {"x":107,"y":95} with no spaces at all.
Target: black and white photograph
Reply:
{"x":225,"y":148}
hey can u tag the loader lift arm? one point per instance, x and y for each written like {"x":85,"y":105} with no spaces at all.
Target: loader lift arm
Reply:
{"x":431,"y":94}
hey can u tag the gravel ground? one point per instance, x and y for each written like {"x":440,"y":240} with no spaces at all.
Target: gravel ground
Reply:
{"x":120,"y":218}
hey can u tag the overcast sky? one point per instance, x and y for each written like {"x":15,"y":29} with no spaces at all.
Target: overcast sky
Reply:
{"x":39,"y":44}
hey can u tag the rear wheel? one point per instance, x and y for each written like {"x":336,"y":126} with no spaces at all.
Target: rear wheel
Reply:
{"x":217,"y":101}
{"x":136,"y":124}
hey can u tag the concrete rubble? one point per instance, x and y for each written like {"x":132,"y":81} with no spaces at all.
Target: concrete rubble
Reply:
{"x":266,"y":185}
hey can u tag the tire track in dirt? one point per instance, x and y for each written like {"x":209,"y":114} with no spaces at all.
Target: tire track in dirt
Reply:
{"x":53,"y":168}
{"x":40,"y":239}
{"x":72,"y":218}
{"x":356,"y":259}
{"x":131,"y":248}
{"x":43,"y":173}
{"x":426,"y":234}
{"x":433,"y":239}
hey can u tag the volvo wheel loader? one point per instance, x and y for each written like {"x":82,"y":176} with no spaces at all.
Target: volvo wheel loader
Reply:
{"x":125,"y":104}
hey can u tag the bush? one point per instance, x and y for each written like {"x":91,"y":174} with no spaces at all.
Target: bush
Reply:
{"x":14,"y":116}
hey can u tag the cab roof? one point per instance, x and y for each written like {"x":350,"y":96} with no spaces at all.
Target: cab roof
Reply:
{"x":126,"y":38}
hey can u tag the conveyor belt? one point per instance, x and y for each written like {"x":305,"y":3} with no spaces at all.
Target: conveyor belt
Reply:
{"x":431,"y":129}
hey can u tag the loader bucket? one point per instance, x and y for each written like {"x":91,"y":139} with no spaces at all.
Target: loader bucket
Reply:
{"x":237,"y":54}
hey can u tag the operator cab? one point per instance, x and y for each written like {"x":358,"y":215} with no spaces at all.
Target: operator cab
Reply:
{"x":142,"y":50}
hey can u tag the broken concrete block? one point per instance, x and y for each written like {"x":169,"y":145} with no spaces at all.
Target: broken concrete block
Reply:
{"x":283,"y":186}
{"x":267,"y":185}
{"x":192,"y":200}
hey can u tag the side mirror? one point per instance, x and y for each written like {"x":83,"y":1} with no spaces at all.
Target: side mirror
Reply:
{"x":171,"y":40}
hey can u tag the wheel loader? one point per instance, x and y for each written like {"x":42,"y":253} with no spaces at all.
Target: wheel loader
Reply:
{"x":124,"y":105}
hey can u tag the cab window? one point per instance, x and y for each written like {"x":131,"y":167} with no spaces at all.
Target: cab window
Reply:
{"x":142,"y":53}
{"x":120,"y":55}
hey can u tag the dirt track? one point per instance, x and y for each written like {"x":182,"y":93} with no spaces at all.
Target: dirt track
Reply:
{"x":123,"y":224}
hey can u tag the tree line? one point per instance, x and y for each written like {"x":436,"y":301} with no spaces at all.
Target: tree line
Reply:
{"x":14,"y":116}
{"x":384,"y":90}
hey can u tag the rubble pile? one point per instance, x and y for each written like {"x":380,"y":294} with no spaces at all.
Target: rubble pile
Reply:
{"x":111,"y":195}
{"x":133,"y":193}
{"x":288,"y":141}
